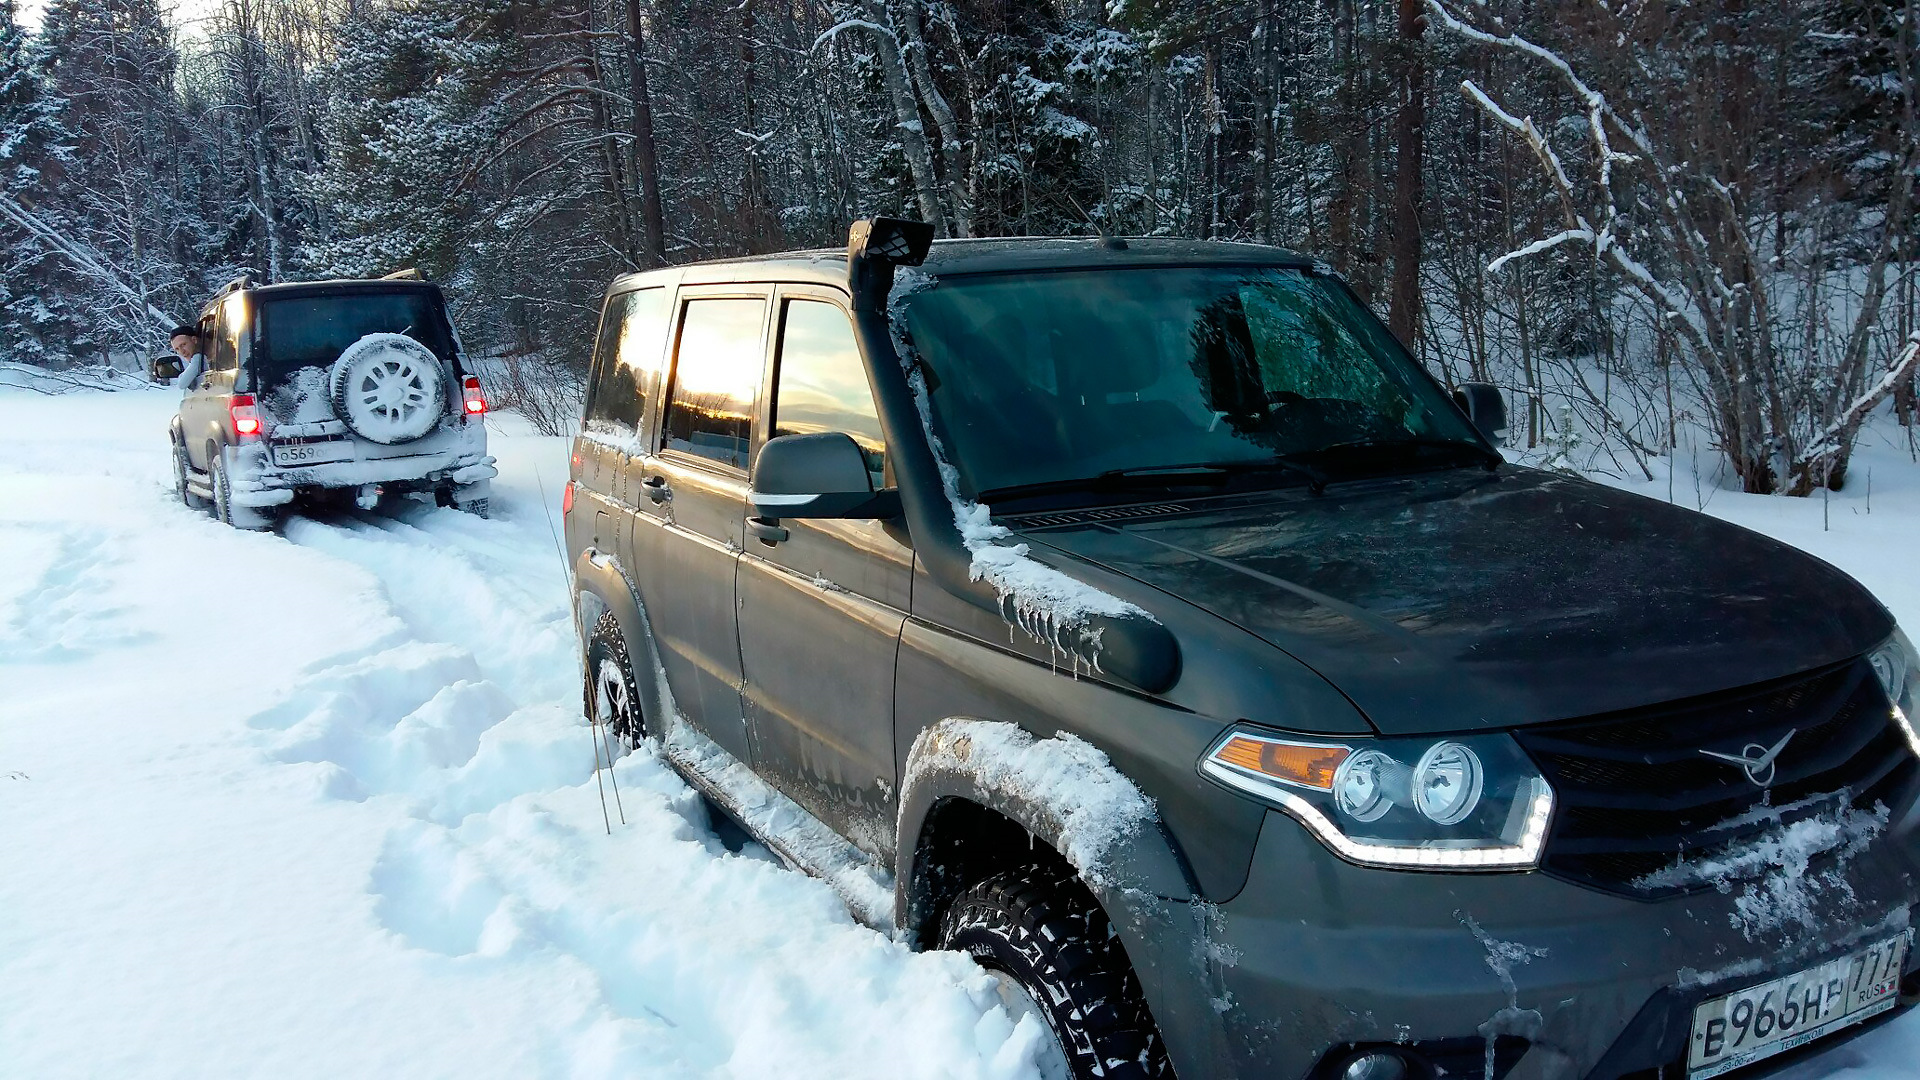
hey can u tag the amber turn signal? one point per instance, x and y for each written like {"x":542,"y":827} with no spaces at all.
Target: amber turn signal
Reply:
{"x":1291,"y":763}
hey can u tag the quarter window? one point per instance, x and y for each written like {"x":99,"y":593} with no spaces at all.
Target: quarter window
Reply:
{"x":625,"y":359}
{"x":716,"y":374}
{"x":822,"y":385}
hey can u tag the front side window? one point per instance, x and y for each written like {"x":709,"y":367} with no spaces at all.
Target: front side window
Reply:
{"x":631,"y":342}
{"x":1041,"y":379}
{"x":716,"y":375}
{"x":312,"y":331}
{"x":821,"y":383}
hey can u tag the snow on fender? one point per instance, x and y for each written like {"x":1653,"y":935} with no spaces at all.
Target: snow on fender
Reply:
{"x":388,"y":388}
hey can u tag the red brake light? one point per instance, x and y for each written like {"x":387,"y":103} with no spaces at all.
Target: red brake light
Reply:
{"x":246,"y":416}
{"x":475,"y":401}
{"x":566,"y":501}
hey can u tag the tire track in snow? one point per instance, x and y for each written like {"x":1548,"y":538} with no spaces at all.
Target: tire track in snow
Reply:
{"x":691,"y":961}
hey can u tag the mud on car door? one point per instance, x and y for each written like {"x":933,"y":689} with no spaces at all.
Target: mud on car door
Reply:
{"x":690,"y":489}
{"x":822,"y":600}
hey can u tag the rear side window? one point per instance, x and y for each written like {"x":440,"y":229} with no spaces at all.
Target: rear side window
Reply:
{"x":716,"y":374}
{"x":632,"y":337}
{"x":822,"y":385}
{"x":312,"y":331}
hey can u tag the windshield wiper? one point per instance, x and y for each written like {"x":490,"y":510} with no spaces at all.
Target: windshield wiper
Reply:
{"x":1148,"y":477}
{"x":1490,"y":459}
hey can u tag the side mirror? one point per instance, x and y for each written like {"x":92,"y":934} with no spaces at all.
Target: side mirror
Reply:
{"x":164,"y":368}
{"x":1486,"y":408}
{"x":816,"y":476}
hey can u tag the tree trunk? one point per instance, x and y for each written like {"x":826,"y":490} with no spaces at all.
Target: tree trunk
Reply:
{"x":943,"y":118}
{"x":906,"y":112}
{"x":1403,"y":310}
{"x":646,"y":164}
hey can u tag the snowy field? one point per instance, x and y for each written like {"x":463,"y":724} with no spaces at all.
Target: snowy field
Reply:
{"x":320,"y":804}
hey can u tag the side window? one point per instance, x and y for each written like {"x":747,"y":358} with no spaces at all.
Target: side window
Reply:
{"x":716,"y":375}
{"x":624,"y":360}
{"x":822,"y":385}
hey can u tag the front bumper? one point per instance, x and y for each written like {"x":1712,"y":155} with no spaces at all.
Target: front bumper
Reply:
{"x":1318,"y":954}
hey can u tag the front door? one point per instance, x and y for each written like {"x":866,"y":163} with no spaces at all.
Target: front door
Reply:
{"x":821,"y":611}
{"x":691,"y":491}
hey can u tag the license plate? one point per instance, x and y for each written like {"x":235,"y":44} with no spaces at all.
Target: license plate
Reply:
{"x":311,"y":453}
{"x":1775,"y":1017}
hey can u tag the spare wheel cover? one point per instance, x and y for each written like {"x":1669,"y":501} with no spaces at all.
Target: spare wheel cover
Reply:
{"x":388,"y":388}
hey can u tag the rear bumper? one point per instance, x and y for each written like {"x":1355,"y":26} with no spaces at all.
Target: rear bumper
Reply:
{"x":1320,"y":956}
{"x":258,"y":482}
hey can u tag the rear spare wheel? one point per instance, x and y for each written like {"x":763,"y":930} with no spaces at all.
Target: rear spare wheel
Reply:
{"x":388,"y":388}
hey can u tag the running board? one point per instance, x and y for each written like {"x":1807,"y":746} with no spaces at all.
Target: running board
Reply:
{"x":803,"y":841}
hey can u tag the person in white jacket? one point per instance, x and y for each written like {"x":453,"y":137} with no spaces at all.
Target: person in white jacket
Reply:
{"x":185,"y":342}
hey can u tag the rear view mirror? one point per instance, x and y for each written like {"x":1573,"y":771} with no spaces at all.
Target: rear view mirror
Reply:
{"x":1486,"y":408}
{"x":816,"y":476}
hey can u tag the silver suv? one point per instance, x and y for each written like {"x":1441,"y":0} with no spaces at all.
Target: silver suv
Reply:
{"x":329,"y":391}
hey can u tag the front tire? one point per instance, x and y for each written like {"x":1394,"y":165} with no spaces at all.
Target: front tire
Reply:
{"x":182,"y":475}
{"x":612,"y":696}
{"x":1044,"y":937}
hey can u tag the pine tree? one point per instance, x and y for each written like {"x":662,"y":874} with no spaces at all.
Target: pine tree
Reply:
{"x":31,"y":329}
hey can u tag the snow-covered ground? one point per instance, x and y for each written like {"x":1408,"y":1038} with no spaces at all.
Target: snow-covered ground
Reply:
{"x":322,"y":804}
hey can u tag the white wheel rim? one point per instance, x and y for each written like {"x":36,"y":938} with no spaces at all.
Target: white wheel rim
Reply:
{"x":611,"y":700}
{"x":388,"y":394}
{"x":1051,"y":1055}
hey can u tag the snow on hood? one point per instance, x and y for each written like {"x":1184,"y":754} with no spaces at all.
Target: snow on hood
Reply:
{"x":1051,"y":607}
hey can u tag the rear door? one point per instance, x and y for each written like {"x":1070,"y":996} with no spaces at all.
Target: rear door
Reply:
{"x":821,"y":611}
{"x":691,"y":487}
{"x":624,"y":377}
{"x":203,"y":412}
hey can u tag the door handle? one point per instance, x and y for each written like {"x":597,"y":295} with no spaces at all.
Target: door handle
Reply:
{"x":767,"y":531}
{"x":656,"y":490}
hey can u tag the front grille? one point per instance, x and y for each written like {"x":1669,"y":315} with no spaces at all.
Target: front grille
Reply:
{"x":1635,"y":794}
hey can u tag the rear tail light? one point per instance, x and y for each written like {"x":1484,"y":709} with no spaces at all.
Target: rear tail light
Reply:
{"x":246,"y":415}
{"x":473,"y":400}
{"x":566,"y":501}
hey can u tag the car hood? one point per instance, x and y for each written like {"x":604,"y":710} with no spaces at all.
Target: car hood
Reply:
{"x":1465,"y":600}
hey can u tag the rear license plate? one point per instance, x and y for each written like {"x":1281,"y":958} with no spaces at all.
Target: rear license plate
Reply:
{"x":1775,"y":1017}
{"x":313,"y":453}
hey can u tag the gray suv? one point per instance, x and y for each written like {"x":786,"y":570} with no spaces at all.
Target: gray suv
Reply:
{"x":329,"y":391}
{"x":1138,"y":617}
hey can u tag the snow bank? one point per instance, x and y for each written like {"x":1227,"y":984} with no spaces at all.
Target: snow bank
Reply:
{"x":1051,"y":607}
{"x":1093,"y":808}
{"x":345,"y":823}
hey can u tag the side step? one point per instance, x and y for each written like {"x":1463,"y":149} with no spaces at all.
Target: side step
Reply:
{"x":799,"y":838}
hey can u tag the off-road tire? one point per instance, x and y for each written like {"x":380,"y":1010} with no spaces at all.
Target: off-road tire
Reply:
{"x":240,"y":517}
{"x":1044,"y":929}
{"x":477,"y":507}
{"x":182,"y":475}
{"x":607,"y":657}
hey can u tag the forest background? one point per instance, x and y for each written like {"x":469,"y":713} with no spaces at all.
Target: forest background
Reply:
{"x":1651,"y":221}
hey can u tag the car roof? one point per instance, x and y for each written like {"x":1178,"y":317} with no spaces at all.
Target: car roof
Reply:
{"x":828,"y":266}
{"x":301,"y":288}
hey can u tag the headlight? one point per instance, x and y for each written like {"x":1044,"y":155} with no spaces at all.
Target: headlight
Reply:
{"x":1469,"y":803}
{"x":1898,"y":670}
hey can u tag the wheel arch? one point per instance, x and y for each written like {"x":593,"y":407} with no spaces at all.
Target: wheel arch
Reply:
{"x":962,"y":819}
{"x":601,"y":586}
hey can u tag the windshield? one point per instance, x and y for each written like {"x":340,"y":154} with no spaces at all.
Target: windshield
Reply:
{"x":312,"y":331}
{"x":1048,"y":378}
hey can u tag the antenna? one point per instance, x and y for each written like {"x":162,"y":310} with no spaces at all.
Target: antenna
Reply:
{"x":1107,"y":240}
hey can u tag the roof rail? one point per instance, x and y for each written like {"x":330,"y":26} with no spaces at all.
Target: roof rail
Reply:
{"x":244,"y":281}
{"x":411,"y":273}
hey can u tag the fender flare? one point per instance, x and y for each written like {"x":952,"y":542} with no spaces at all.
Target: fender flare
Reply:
{"x":1123,"y":862}
{"x":601,"y":585}
{"x":1137,"y":875}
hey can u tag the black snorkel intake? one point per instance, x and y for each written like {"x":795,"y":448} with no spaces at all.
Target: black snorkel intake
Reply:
{"x":1137,"y":651}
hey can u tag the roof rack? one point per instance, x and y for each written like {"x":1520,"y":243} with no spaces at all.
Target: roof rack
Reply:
{"x":411,"y":273}
{"x":244,"y":281}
